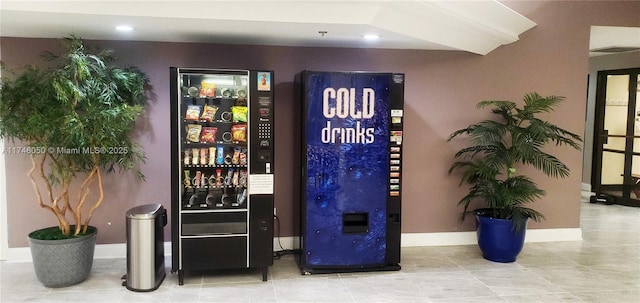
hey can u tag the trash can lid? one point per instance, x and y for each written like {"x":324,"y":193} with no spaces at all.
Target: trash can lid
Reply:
{"x":147,"y":211}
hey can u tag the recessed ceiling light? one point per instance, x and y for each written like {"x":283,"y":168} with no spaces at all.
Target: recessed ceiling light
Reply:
{"x":371,"y":37}
{"x":124,"y":28}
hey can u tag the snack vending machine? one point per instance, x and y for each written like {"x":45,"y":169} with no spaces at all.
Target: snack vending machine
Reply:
{"x":351,"y":171}
{"x":222,"y":169}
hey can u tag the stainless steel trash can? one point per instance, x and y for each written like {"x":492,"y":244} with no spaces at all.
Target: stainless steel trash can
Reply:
{"x":145,"y":247}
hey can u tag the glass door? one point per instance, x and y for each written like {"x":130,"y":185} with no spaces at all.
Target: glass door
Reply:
{"x":616,"y":165}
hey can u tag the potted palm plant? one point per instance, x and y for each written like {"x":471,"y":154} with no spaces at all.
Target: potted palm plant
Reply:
{"x":74,"y":119}
{"x":489,"y":165}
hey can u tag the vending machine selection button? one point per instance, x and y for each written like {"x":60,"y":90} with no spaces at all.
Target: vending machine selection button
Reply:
{"x":264,"y":131}
{"x":395,"y":156}
{"x":394,"y":175}
{"x":394,"y":193}
{"x":264,"y":101}
{"x":396,"y":136}
{"x":396,"y":113}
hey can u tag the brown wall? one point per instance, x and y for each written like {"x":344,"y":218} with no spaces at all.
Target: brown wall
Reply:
{"x":441,"y":91}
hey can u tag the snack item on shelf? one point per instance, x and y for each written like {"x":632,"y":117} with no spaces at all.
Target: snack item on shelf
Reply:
{"x":193,"y":132}
{"x":187,"y":157}
{"x":187,"y":179}
{"x":208,"y":89}
{"x":234,"y":179}
{"x":229,"y":178}
{"x":218,"y":177}
{"x":208,"y":134}
{"x":209,"y":112}
{"x":193,"y":112}
{"x":203,"y":180}
{"x":239,"y":132}
{"x":243,"y":178}
{"x":195,"y":159}
{"x":220,"y":155}
{"x":241,"y":196}
{"x":204,"y":156}
{"x":196,"y":179}
{"x":243,"y":156}
{"x":236,"y":156}
{"x":212,"y":157}
{"x":239,"y":113}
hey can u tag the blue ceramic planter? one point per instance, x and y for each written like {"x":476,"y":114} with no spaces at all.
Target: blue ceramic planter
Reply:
{"x":497,"y":240}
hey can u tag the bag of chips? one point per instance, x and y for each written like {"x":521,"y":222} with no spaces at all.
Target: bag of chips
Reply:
{"x":239,"y":132}
{"x":193,"y":132}
{"x":239,"y":113}
{"x":208,"y":89}
{"x":193,"y":112}
{"x":209,"y":112}
{"x":208,"y":134}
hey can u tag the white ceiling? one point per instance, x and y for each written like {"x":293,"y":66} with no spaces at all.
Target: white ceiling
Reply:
{"x":606,"y":37}
{"x":473,"y":26}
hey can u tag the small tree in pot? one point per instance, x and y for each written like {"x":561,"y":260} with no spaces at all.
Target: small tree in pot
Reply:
{"x":488,"y":166}
{"x":76,"y":117}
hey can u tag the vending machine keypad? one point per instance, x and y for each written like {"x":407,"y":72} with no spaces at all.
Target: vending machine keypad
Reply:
{"x":264,"y":131}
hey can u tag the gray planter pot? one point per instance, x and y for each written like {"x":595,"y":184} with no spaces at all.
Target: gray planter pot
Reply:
{"x":62,"y":263}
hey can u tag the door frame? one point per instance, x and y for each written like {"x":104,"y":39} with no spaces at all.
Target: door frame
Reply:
{"x":4,"y":236}
{"x":599,"y":137}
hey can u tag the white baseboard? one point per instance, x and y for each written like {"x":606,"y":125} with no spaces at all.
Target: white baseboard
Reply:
{"x":106,"y":251}
{"x":103,"y":251}
{"x":286,"y":243}
{"x":438,"y":239}
{"x":469,"y":237}
{"x":585,"y":187}
{"x":554,"y":235}
{"x":110,"y":251}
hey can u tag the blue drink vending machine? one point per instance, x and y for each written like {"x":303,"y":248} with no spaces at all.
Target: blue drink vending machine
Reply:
{"x":351,"y":171}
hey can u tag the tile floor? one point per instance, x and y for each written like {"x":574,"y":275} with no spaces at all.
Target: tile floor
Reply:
{"x":605,"y":267}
